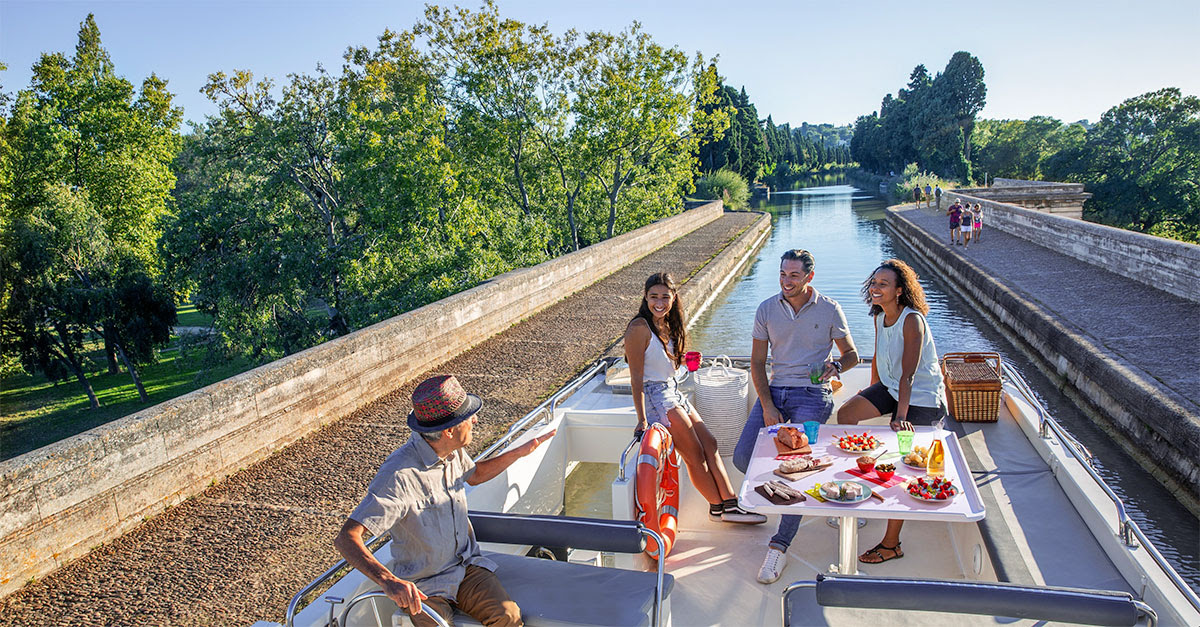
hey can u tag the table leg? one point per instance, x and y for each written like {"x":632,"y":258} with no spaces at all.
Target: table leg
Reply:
{"x":848,"y":545}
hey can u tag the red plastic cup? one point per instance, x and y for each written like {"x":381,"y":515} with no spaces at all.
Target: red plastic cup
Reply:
{"x":691,"y":359}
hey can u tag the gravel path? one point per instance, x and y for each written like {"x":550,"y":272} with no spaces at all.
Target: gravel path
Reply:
{"x":237,"y":552}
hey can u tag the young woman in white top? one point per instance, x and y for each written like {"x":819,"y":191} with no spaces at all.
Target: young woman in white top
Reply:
{"x":905,"y":379}
{"x":655,"y":342}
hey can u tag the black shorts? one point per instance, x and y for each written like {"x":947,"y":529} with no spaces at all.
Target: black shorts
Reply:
{"x":882,"y":400}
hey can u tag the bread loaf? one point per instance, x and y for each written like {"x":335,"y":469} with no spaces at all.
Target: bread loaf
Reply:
{"x":792,"y":437}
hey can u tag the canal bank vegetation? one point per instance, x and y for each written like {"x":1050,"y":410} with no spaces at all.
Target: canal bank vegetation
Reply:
{"x":724,"y":185}
{"x":1140,"y":161}
{"x":465,"y":147}
{"x":760,"y":151}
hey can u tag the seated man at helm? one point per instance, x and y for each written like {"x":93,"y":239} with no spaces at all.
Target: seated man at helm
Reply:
{"x":419,"y":495}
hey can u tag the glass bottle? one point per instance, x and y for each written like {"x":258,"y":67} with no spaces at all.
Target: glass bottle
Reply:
{"x":936,"y":463}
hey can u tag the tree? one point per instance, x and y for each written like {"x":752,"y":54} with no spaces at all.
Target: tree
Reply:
{"x":1143,"y":165}
{"x":51,"y":254}
{"x":1021,"y":149}
{"x":642,"y":112}
{"x":928,"y":122}
{"x":962,"y":92}
{"x":81,"y":125}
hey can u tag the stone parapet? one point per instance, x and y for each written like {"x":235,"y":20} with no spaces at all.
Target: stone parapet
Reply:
{"x":59,"y":501}
{"x":1166,"y":264}
{"x":1063,"y":199}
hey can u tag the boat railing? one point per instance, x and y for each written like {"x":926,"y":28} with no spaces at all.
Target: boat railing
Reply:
{"x":1127,"y":529}
{"x":372,"y":594}
{"x":547,"y":407}
{"x":372,"y":546}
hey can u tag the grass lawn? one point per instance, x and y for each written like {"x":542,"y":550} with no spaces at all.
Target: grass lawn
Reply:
{"x":190,"y":317}
{"x":35,"y":412}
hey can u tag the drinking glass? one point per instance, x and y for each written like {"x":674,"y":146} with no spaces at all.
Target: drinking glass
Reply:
{"x":816,"y":373}
{"x":904,"y":440}
{"x":810,"y":430}
{"x":692,"y":360}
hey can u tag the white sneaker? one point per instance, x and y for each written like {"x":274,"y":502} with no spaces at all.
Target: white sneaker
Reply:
{"x":772,"y":566}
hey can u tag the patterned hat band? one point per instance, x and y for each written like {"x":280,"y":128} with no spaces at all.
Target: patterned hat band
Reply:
{"x":437,"y":398}
{"x":440,"y":403}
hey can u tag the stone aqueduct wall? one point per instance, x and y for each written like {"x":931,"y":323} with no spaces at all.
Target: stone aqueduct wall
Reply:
{"x":58,"y":502}
{"x":1166,"y":264}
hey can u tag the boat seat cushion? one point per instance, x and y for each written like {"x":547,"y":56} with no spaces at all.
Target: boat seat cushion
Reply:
{"x":552,"y":593}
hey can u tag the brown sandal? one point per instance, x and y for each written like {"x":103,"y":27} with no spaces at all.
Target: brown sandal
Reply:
{"x":896,"y":554}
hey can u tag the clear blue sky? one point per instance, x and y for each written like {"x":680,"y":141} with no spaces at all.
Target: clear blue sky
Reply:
{"x":799,"y":60}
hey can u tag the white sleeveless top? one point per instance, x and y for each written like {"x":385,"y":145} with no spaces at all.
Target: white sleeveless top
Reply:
{"x":658,"y":367}
{"x":927,"y":388}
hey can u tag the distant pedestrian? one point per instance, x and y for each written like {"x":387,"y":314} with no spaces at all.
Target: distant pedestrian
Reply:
{"x":928,"y":195}
{"x":955,"y":213}
{"x":937,"y":195}
{"x":968,"y":223}
{"x":978,"y":221}
{"x":917,"y":196}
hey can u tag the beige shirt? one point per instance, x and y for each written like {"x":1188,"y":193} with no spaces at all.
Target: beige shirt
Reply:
{"x":799,"y":338}
{"x":421,"y":499}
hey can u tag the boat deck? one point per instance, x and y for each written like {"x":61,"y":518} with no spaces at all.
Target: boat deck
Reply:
{"x":1047,"y":523}
{"x":1041,"y":537}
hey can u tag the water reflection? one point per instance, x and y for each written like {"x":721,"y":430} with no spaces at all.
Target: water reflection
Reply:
{"x":843,"y":228}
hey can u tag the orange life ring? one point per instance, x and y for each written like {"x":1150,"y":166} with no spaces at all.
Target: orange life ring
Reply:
{"x":658,"y":488}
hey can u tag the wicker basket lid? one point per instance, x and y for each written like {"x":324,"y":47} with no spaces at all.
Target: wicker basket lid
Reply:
{"x":971,"y":371}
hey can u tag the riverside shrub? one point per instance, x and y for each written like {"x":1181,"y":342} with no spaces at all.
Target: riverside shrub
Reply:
{"x":725,"y":185}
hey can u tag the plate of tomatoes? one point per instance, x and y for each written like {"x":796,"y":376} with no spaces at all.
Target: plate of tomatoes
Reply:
{"x":931,"y":489}
{"x":860,"y":443}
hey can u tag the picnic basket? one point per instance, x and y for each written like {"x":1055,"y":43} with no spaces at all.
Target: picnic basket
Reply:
{"x":972,"y":385}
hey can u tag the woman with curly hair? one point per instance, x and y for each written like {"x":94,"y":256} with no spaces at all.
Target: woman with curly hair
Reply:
{"x":655,"y":342}
{"x":905,"y":379}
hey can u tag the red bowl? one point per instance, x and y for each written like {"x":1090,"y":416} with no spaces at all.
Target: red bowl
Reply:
{"x":884,"y":476}
{"x":865,"y":468}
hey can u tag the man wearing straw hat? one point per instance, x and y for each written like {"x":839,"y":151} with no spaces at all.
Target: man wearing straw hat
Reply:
{"x":419,"y":496}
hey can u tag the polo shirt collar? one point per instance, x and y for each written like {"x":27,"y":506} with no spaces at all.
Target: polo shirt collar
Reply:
{"x":425,"y":453}
{"x":788,"y":306}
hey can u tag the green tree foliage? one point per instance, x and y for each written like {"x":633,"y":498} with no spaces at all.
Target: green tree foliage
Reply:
{"x":1021,"y":149}
{"x":760,"y":149}
{"x":81,"y":139}
{"x":468,"y":146}
{"x":1142,"y":163}
{"x":929,"y":122}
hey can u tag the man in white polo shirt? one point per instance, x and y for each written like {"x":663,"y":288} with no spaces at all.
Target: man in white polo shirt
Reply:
{"x":800,"y":327}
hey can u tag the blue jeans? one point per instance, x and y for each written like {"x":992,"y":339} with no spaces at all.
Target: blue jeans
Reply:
{"x":796,"y":405}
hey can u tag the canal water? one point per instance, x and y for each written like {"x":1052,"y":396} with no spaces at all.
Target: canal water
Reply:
{"x":844,"y":229}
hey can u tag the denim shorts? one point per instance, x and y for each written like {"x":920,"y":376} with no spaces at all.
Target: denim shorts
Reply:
{"x":661,"y":397}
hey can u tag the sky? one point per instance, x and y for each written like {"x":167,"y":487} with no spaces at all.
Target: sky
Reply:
{"x":799,"y":60}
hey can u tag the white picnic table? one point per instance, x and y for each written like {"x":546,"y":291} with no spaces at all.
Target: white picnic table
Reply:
{"x":897,"y":503}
